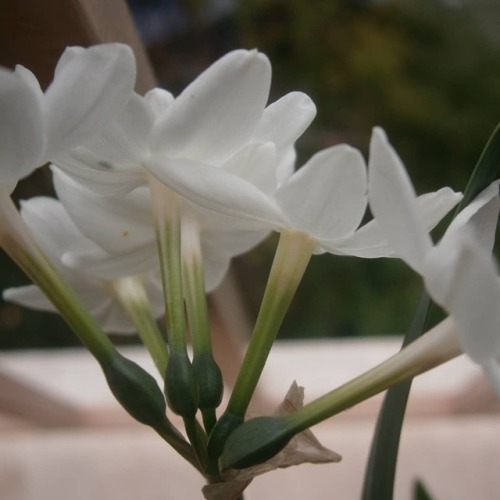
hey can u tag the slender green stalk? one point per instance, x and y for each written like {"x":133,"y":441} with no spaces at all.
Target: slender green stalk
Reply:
{"x":193,"y":286}
{"x":291,"y":260}
{"x":166,"y":211}
{"x":133,"y":387}
{"x":208,"y":376}
{"x":180,"y":445}
{"x":180,"y":386}
{"x":438,"y":345}
{"x":18,"y":243}
{"x":198,"y":439}
{"x":135,"y":301}
{"x":260,"y":438}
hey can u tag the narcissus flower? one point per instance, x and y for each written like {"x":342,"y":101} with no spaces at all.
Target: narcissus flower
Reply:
{"x":458,"y":272}
{"x":56,"y":234}
{"x":325,"y":199}
{"x":89,"y":87}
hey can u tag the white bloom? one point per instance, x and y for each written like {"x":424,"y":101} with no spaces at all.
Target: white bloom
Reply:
{"x":221,"y":119}
{"x":56,"y":234}
{"x":326,"y":199}
{"x":458,"y":272}
{"x":89,"y":87}
{"x":122,"y":228}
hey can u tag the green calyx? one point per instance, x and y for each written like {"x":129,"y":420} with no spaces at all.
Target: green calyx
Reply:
{"x":180,"y":385}
{"x":226,"y":424}
{"x":255,"y":442}
{"x":136,"y":390}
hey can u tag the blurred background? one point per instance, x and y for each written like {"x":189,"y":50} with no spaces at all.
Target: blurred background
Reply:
{"x":427,"y":71}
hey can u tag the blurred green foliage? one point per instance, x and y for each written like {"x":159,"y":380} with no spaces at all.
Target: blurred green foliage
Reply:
{"x":427,"y":71}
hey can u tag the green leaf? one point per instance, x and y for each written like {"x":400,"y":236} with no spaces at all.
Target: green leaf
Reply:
{"x":486,"y":170}
{"x":420,"y":492}
{"x":381,"y":466}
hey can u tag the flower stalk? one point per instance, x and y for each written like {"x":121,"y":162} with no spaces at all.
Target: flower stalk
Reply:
{"x":18,"y":243}
{"x":180,"y":387}
{"x":207,"y":374}
{"x":133,"y":387}
{"x":290,"y":262}
{"x":135,"y":301}
{"x":259,"y":439}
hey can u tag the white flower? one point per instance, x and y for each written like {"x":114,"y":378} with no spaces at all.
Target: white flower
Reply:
{"x":56,"y":234}
{"x":221,"y":119}
{"x":122,"y":229}
{"x":325,"y":199}
{"x":458,"y":272}
{"x":89,"y":87}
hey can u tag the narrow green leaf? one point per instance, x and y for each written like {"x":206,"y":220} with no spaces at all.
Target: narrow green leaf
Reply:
{"x":381,"y":466}
{"x":420,"y":492}
{"x":486,"y":170}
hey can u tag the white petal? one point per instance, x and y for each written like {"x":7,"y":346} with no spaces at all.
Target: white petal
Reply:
{"x":218,"y":112}
{"x":393,"y":203}
{"x":286,"y":165}
{"x":125,"y":140}
{"x":367,"y":242}
{"x":28,"y":296}
{"x":232,"y":242}
{"x":21,"y":128}
{"x":215,"y":267}
{"x":89,"y":88}
{"x":216,"y":190}
{"x":117,"y":224}
{"x":114,"y":319}
{"x":481,"y":215}
{"x":256,"y":163}
{"x":434,"y":206}
{"x":98,"y":175}
{"x":285,"y":120}
{"x":465,"y":279}
{"x":52,"y":227}
{"x":105,"y":265}
{"x":154,"y":290}
{"x":158,"y":101}
{"x":327,"y":196}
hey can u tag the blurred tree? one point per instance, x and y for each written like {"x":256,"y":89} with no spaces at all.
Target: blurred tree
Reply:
{"x":427,"y":72}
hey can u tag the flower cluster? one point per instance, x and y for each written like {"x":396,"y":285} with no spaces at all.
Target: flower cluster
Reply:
{"x":156,"y":194}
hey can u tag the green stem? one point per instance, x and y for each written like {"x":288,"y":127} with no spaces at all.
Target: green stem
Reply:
{"x":134,"y":299}
{"x":438,"y":345}
{"x":170,"y":434}
{"x":194,"y":288}
{"x":166,"y":211}
{"x":180,"y":386}
{"x":133,"y":387}
{"x":18,"y":243}
{"x":290,"y":262}
{"x":198,"y":439}
{"x":258,"y":439}
{"x":208,"y":376}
